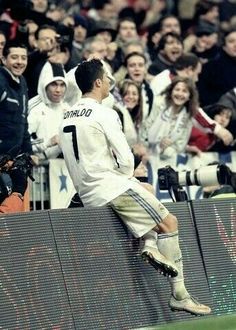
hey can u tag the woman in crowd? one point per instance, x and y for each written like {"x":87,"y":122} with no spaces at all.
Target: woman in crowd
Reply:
{"x":131,"y":115}
{"x":167,"y":129}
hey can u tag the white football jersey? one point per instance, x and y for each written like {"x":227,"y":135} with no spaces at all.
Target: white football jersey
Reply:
{"x":96,"y":152}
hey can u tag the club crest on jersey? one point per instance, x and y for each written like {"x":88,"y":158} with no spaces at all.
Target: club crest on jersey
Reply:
{"x":77,"y":113}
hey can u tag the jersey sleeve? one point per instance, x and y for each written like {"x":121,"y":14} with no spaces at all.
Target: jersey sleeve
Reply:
{"x":119,"y":144}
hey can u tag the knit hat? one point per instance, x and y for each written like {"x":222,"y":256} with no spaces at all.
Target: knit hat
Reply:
{"x":103,"y":26}
{"x":81,"y":20}
{"x":205,"y":28}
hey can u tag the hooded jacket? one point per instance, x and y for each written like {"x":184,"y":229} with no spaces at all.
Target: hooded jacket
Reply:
{"x":45,"y":116}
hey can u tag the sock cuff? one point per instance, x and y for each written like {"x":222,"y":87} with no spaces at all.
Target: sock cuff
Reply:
{"x":168,"y":235}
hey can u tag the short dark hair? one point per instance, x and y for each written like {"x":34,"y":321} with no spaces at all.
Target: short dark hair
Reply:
{"x":186,"y":60}
{"x":126,"y":19}
{"x":44,"y":27}
{"x":227,"y":33}
{"x":134,"y":54}
{"x":100,"y":4}
{"x":164,"y":38}
{"x":215,"y":109}
{"x":165,"y":17}
{"x":86,"y":74}
{"x":12,"y":44}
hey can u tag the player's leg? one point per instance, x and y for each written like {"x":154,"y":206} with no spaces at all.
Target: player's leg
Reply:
{"x":168,"y":245}
{"x":141,"y":212}
{"x":146,"y":216}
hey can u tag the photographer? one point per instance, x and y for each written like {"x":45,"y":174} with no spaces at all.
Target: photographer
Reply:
{"x":14,"y":202}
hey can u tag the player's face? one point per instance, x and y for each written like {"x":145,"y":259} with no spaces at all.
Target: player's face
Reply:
{"x":56,"y":91}
{"x":16,"y":61}
{"x":105,"y":85}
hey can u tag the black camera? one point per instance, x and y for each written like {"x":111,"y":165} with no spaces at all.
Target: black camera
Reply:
{"x":210,"y":175}
{"x":22,"y":162}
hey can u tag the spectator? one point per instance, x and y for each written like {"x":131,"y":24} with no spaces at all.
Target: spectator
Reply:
{"x":133,"y":46}
{"x":227,"y":10}
{"x":219,"y":75}
{"x":2,"y":43}
{"x":136,"y":64}
{"x":80,"y":24}
{"x":71,"y":7}
{"x":170,"y":48}
{"x":205,"y":44}
{"x":144,"y":12}
{"x":126,"y":32}
{"x":200,"y":141}
{"x":94,"y":45}
{"x":167,"y":23}
{"x":103,"y":10}
{"x":105,"y":31}
{"x":169,"y":125}
{"x":40,"y":6}
{"x":131,"y":115}
{"x":188,"y":65}
{"x":14,"y":100}
{"x":206,"y":11}
{"x":46,"y":47}
{"x":46,"y":111}
{"x":228,"y":100}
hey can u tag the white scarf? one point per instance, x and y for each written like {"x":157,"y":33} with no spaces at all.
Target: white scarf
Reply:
{"x":167,"y":126}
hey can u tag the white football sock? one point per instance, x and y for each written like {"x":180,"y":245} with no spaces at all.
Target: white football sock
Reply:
{"x":168,"y":245}
{"x":150,"y":239}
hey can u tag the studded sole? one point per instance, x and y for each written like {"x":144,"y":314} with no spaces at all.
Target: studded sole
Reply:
{"x":162,"y":268}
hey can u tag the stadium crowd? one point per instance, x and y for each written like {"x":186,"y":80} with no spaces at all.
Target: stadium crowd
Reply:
{"x":171,"y":64}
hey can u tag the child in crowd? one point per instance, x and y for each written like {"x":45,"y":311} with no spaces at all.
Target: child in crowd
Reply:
{"x":200,"y":141}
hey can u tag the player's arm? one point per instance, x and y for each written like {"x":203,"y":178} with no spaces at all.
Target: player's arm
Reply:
{"x":119,"y":145}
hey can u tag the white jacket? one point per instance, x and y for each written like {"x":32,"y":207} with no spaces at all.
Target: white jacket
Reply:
{"x":45,"y":117}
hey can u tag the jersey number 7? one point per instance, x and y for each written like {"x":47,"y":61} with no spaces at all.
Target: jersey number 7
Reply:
{"x":72,"y":130}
